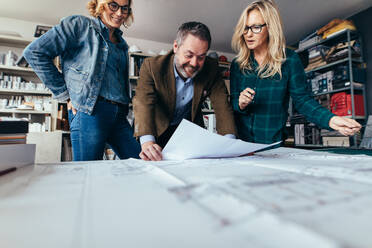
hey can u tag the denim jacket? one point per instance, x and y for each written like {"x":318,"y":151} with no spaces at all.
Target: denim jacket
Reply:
{"x":79,"y":42}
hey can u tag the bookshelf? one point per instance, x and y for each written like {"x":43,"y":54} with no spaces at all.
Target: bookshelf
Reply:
{"x":135,"y":62}
{"x":23,"y":95}
{"x":335,"y":77}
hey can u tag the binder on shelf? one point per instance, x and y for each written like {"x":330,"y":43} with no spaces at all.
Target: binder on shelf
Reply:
{"x":13,"y":126}
{"x":14,"y":153}
{"x":299,"y":134}
{"x":13,"y":138}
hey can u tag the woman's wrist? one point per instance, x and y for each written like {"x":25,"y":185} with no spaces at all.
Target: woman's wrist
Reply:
{"x":240,"y":107}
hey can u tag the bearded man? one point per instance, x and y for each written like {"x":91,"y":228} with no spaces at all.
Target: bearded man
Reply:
{"x":172,"y":87}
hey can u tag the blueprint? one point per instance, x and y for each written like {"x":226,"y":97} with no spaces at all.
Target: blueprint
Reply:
{"x":277,"y":198}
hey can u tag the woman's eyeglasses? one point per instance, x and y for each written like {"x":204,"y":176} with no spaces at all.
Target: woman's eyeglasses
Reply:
{"x":256,"y":29}
{"x":113,"y":6}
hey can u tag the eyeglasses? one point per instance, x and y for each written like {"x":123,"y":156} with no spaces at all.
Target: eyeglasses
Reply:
{"x":124,"y":9}
{"x":256,"y":29}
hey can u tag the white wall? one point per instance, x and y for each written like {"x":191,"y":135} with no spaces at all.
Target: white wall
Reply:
{"x":149,"y":46}
{"x":26,"y":30}
{"x":22,"y":28}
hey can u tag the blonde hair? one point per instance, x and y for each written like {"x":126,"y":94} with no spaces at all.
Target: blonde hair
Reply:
{"x":96,"y":8}
{"x":276,"y":40}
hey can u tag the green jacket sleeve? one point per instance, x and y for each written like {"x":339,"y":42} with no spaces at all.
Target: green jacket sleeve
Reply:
{"x":302,"y":99}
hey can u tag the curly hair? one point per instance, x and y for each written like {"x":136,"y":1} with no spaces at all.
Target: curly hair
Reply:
{"x":96,"y":8}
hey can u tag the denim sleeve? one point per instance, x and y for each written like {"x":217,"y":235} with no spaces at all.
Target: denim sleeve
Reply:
{"x":302,"y":99}
{"x":41,"y":53}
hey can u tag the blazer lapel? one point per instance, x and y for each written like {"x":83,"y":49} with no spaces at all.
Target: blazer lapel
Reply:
{"x":170,"y":81}
{"x":198,"y":90}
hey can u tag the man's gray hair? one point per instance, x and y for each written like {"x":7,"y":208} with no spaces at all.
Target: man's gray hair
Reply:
{"x":197,"y":29}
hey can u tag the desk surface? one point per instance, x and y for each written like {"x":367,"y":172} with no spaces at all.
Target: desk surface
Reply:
{"x":279,"y":198}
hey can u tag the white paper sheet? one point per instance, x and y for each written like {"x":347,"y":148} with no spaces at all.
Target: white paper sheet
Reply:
{"x":191,"y":141}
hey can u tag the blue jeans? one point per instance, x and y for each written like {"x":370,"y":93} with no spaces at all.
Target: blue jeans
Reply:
{"x":107,"y":124}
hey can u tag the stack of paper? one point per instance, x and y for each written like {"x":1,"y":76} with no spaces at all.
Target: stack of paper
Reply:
{"x":191,"y":141}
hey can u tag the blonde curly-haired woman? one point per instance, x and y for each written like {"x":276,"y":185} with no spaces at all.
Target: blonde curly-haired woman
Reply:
{"x":94,"y":78}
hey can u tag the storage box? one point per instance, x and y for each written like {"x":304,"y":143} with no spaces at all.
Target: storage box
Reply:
{"x":342,"y":74}
{"x":341,"y":104}
{"x":336,"y":141}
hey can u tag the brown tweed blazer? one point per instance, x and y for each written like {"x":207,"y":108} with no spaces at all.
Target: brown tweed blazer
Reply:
{"x":155,"y":98}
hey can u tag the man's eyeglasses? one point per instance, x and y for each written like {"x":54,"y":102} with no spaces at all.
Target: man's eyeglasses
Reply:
{"x":256,"y":29}
{"x":124,"y":9}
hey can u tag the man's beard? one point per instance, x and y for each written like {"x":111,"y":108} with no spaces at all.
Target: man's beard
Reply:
{"x":182,"y":71}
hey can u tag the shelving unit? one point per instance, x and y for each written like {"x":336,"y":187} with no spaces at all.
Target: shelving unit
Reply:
{"x":327,"y":66}
{"x":29,"y":112}
{"x":356,"y":86}
{"x":12,"y":41}
{"x":135,"y":62}
{"x":23,"y":84}
{"x":26,"y":92}
{"x":224,"y":68}
{"x":350,"y":82}
{"x":207,"y":109}
{"x":17,"y":69}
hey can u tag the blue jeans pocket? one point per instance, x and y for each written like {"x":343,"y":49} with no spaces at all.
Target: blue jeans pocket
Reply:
{"x":71,"y":118}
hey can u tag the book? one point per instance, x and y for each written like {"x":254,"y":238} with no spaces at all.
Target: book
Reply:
{"x":13,"y":125}
{"x":21,"y":62}
{"x":17,"y":138}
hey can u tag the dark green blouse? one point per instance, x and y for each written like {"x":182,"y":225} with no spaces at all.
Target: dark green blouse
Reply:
{"x":264,"y":120}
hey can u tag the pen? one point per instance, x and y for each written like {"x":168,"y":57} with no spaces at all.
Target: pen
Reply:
{"x":4,"y":172}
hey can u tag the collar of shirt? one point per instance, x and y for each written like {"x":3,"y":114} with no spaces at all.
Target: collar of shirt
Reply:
{"x":117,"y":32}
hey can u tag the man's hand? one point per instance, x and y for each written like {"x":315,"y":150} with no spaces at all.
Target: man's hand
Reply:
{"x":151,"y":151}
{"x":246,"y":97}
{"x":69,"y":106}
{"x":344,"y":125}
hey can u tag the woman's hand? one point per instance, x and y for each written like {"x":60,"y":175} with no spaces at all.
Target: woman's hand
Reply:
{"x":69,"y":106}
{"x":246,"y":97}
{"x":344,"y":125}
